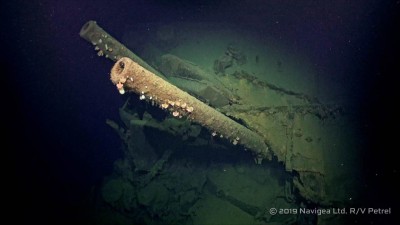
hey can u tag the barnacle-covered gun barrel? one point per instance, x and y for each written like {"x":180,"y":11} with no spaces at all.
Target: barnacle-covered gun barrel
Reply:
{"x":109,"y":47}
{"x":128,"y":75}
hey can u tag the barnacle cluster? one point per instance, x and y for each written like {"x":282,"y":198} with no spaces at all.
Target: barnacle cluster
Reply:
{"x":178,"y":108}
{"x":103,"y":48}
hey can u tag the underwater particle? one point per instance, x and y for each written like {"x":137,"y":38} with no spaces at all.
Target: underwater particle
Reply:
{"x":100,"y":53}
{"x":96,"y":48}
{"x":214,"y":134}
{"x":175,"y":113}
{"x":221,"y":136}
{"x":142,"y":97}
{"x":151,"y":97}
{"x":189,"y":109}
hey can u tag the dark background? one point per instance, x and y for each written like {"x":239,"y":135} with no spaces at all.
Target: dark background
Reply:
{"x":57,"y":95}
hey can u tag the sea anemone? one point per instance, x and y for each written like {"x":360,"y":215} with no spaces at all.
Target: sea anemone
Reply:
{"x":164,"y":106}
{"x":189,"y":109}
{"x":120,"y":85}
